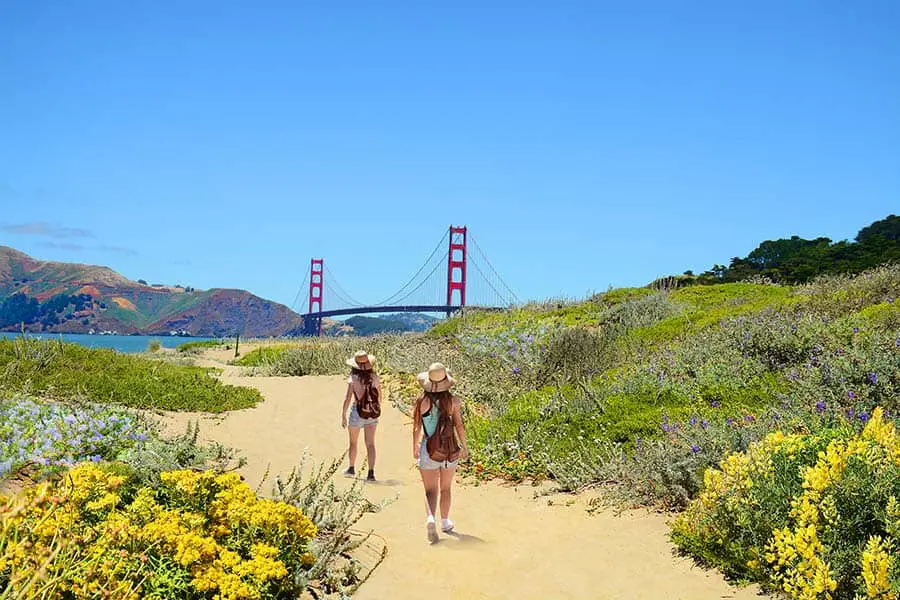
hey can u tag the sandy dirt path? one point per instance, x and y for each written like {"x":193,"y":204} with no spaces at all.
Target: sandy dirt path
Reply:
{"x":507,"y":545}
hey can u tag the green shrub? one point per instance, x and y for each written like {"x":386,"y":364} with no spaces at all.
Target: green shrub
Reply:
{"x":816,"y":516}
{"x":153,"y":346}
{"x":262,"y":356}
{"x":838,"y":295}
{"x":57,"y":370}
{"x":196,"y":346}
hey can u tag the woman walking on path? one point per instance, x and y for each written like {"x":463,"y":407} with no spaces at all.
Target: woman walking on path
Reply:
{"x":364,"y":389}
{"x":437,"y":453}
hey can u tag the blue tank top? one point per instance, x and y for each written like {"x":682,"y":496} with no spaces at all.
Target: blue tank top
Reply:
{"x":430,"y":420}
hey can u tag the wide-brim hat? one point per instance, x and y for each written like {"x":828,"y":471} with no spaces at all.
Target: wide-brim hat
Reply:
{"x":436,"y":379}
{"x":361,"y":360}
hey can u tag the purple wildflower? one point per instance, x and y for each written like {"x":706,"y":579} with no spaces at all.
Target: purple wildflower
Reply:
{"x":692,"y":421}
{"x":850,"y":413}
{"x":715,"y":403}
{"x":96,"y":458}
{"x":864,"y":416}
{"x":666,"y":428}
{"x":730,"y":420}
{"x":820,"y":406}
{"x":749,"y":418}
{"x":851,"y":394}
{"x":704,"y":423}
{"x":873,"y":378}
{"x":856,"y":330}
{"x":695,"y":448}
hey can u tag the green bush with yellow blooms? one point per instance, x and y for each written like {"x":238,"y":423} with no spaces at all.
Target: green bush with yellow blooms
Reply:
{"x":96,"y":533}
{"x":814,"y":515}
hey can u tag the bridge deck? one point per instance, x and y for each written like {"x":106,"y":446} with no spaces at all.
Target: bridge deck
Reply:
{"x":382,"y":309}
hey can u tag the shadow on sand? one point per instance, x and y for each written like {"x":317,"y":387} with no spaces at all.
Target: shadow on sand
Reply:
{"x":384,"y":482}
{"x":464,"y":539}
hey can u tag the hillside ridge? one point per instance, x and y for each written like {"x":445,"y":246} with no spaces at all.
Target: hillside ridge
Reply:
{"x":60,"y":297}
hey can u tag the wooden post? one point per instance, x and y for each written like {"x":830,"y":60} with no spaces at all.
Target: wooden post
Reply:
{"x":237,"y":341}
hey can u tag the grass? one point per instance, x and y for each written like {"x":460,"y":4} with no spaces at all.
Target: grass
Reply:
{"x":190,"y":347}
{"x":262,"y":356}
{"x":57,"y":370}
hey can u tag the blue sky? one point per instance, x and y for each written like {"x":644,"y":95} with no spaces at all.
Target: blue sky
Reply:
{"x":585,"y":144}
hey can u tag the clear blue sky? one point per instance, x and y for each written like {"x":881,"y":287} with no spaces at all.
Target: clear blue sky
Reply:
{"x":585,"y":144}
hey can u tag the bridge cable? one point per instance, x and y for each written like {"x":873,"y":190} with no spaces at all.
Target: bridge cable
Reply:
{"x":413,"y":278}
{"x":512,"y":294}
{"x":500,"y":296}
{"x":423,"y":282}
{"x":337,"y":287}
{"x":341,"y":300}
{"x":303,"y":285}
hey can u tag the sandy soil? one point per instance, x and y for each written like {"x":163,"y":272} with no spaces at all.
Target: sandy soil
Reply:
{"x":507,"y":545}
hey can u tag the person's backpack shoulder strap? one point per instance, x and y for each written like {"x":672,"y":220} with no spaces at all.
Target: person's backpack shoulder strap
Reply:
{"x":359,"y":388}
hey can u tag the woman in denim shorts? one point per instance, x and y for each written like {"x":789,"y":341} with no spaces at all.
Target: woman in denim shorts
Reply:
{"x":361,"y":365}
{"x":436,"y":476}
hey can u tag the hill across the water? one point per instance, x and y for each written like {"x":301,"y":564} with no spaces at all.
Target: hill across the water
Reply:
{"x":75,"y":298}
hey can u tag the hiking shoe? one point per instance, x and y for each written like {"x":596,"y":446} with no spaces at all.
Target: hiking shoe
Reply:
{"x":350,"y":472}
{"x":371,"y":476}
{"x":431,"y":527}
{"x":446,"y":525}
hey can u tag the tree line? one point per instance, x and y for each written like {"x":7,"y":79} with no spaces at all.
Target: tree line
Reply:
{"x":19,"y":308}
{"x":797,"y":260}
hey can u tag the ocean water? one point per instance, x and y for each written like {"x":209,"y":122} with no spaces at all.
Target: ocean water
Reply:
{"x":121,"y":343}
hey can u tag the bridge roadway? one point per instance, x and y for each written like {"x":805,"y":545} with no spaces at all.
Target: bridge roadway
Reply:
{"x":311,"y":321}
{"x":381,"y":309}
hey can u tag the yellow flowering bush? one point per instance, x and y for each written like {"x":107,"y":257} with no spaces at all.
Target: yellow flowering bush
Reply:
{"x":198,"y":535}
{"x":743,"y":501}
{"x":816,"y":516}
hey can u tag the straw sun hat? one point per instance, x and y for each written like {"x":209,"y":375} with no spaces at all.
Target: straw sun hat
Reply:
{"x":436,"y":379}
{"x":361,"y":360}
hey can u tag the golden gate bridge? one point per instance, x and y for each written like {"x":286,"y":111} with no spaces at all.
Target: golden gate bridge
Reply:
{"x":455,"y":275}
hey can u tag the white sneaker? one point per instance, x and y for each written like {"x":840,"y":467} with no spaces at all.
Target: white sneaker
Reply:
{"x":431,"y":527}
{"x":446,"y":525}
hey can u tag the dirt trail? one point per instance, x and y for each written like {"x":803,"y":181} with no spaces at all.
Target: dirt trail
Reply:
{"x":508,"y":544}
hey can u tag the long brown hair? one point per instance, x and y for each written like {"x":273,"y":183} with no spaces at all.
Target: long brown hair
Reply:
{"x":365,"y":375}
{"x":444,"y":402}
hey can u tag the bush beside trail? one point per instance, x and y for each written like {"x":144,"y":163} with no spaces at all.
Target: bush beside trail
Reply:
{"x":57,"y":370}
{"x":814,"y":515}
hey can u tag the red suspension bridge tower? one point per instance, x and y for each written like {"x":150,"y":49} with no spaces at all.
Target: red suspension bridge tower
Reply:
{"x":456,"y":266}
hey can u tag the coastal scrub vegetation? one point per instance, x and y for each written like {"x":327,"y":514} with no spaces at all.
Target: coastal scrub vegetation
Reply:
{"x":53,"y":369}
{"x":199,"y":345}
{"x":109,"y":507}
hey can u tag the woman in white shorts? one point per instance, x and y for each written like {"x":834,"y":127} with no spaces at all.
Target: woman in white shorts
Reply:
{"x":362,"y":374}
{"x":437,"y":476}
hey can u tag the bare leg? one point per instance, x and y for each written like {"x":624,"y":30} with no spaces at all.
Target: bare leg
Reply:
{"x":370,"y":445}
{"x":446,"y":480}
{"x":354,"y":437}
{"x":431,"y":481}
